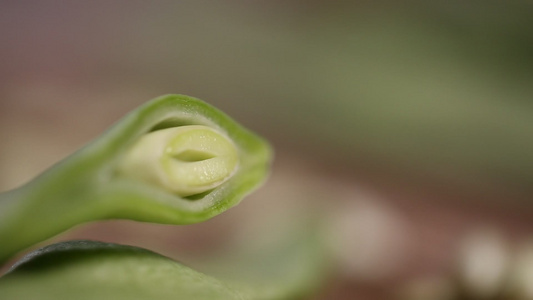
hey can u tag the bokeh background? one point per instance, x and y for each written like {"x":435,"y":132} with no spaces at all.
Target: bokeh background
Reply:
{"x":409,"y":124}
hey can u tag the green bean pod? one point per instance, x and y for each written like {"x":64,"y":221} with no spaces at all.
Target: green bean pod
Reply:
{"x":174,"y":160}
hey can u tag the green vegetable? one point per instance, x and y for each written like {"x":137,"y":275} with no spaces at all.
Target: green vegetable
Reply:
{"x":136,"y":171}
{"x":175,"y":160}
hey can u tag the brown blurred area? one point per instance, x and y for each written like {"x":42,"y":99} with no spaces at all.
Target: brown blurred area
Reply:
{"x":410,"y":125}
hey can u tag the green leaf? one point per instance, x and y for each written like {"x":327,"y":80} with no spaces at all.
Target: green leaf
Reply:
{"x":94,"y":270}
{"x":290,"y":268}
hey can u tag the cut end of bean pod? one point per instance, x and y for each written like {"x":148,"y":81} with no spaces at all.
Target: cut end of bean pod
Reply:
{"x":185,"y":160}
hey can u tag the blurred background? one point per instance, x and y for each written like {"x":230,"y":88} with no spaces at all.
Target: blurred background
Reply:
{"x":409,"y":125}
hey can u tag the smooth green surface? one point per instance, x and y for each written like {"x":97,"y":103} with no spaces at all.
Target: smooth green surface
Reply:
{"x":94,"y":270}
{"x":291,"y":268}
{"x":86,"y":186}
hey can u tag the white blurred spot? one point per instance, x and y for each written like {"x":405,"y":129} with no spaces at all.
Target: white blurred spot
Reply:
{"x":521,"y":283}
{"x":368,"y":237}
{"x":483,"y":263}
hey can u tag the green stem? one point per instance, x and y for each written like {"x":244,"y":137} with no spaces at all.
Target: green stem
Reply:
{"x":90,"y":185}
